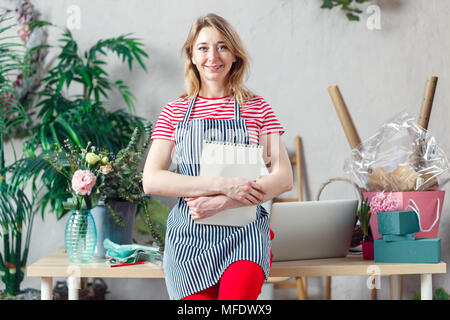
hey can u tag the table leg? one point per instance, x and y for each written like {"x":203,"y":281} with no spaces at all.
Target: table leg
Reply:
{"x":46,"y":288}
{"x":396,"y":287}
{"x":374,"y":293}
{"x":73,"y":284}
{"x":328,"y":288}
{"x":426,"y":287}
{"x":301,"y":289}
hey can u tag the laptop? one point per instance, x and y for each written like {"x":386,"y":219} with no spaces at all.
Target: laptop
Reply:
{"x":312,"y":229}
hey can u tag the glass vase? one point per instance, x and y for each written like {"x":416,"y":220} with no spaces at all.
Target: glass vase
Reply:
{"x":80,"y":236}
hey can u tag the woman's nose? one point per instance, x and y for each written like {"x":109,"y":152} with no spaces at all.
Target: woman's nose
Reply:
{"x":213,"y":54}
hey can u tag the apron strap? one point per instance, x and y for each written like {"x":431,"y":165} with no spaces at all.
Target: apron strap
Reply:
{"x":237,"y":110}
{"x":188,"y":112}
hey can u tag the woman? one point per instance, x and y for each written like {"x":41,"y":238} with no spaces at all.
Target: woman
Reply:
{"x":209,"y":261}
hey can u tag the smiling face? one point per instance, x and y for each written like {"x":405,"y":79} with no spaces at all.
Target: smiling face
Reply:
{"x":212,"y":57}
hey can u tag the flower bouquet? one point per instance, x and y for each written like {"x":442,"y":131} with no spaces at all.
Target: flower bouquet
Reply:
{"x":122,"y":176}
{"x":122,"y":194}
{"x":84,"y":170}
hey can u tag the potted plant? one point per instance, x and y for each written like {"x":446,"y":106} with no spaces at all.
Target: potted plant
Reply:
{"x":122,"y":191}
{"x":16,"y":214}
{"x":59,"y":116}
{"x":115,"y":192}
{"x":364,"y":214}
{"x":80,"y":118}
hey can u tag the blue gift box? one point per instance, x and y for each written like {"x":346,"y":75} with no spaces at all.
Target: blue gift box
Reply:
{"x":397,"y":222}
{"x":417,"y":251}
{"x":399,"y":237}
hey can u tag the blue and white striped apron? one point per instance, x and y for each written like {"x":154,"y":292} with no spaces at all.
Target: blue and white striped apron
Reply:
{"x":196,"y":255}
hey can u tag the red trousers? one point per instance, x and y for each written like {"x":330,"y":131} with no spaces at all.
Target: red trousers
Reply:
{"x":242,"y":280}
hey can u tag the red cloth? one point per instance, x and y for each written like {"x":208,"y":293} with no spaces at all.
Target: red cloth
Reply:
{"x":242,"y":280}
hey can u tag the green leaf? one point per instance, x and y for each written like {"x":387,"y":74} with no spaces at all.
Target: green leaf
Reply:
{"x":61,"y":81}
{"x":85,"y":76}
{"x":38,"y":24}
{"x":352,"y":17}
{"x":440,"y":294}
{"x":69,"y":130}
{"x":54,"y":135}
{"x":327,"y":4}
{"x":46,"y":146}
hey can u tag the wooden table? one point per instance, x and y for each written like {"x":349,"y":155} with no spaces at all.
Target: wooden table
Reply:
{"x":57,"y":264}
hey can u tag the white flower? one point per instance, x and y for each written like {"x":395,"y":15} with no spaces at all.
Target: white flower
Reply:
{"x":105,"y":169}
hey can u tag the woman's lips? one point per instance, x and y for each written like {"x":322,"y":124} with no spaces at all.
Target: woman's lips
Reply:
{"x":214,"y":68}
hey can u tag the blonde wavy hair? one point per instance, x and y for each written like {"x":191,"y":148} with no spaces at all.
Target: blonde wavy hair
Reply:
{"x":239,"y":70}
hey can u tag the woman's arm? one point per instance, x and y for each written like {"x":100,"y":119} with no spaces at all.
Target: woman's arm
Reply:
{"x":158,"y":180}
{"x":280,"y":179}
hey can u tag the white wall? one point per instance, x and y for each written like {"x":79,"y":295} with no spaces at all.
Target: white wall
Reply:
{"x":297,"y":51}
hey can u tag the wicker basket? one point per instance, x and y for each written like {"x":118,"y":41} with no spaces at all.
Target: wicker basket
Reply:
{"x":357,"y":234}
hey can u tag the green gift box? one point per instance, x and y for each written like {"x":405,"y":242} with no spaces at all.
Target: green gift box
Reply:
{"x":417,"y":251}
{"x":399,"y":237}
{"x":397,"y":222}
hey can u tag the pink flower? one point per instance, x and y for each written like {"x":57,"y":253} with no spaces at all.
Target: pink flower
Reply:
{"x":83,"y":181}
{"x":18,"y":83}
{"x":383,"y":202}
{"x":24,"y":33}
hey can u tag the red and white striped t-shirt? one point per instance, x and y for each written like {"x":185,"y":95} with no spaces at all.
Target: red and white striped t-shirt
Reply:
{"x":257,"y":113}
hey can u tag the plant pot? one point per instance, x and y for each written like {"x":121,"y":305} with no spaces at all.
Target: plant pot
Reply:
{"x":80,"y":236}
{"x":108,"y":228}
{"x":367,"y":249}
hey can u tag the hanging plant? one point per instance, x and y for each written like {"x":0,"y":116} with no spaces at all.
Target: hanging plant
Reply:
{"x":26,"y":83}
{"x":352,"y":12}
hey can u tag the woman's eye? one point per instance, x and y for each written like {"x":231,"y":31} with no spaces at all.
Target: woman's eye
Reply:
{"x":202,"y":48}
{"x":222,"y":48}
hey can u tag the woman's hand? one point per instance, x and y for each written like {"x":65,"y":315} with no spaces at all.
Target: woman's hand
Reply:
{"x":206,"y":206}
{"x":246,"y":191}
